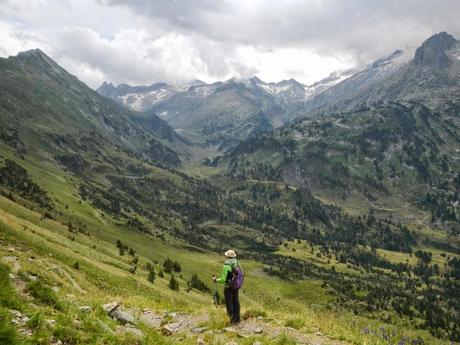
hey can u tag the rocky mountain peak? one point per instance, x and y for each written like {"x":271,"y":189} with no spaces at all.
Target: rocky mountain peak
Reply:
{"x":256,"y":80}
{"x":106,"y":88}
{"x":35,"y":56}
{"x":38,"y":53}
{"x":432,"y":52}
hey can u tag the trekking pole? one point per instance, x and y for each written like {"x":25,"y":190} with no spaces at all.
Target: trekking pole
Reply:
{"x":215,"y":291}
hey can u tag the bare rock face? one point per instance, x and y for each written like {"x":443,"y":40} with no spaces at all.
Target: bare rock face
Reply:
{"x":432,"y":52}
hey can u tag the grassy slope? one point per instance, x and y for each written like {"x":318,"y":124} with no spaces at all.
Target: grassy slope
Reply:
{"x":104,"y":276}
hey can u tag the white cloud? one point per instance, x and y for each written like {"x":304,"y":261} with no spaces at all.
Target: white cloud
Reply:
{"x":285,"y":63}
{"x":143,"y":41}
{"x":14,"y":40}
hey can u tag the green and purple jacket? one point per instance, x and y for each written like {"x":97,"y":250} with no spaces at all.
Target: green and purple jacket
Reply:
{"x":227,"y":271}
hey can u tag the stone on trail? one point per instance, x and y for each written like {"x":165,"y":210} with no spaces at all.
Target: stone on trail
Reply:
{"x":199,"y":330}
{"x":30,"y":277}
{"x":50,"y":322}
{"x":13,"y":261}
{"x":258,"y":330}
{"x":150,"y":319}
{"x":171,"y":328}
{"x":131,"y":330}
{"x":243,"y":333}
{"x":85,"y":309}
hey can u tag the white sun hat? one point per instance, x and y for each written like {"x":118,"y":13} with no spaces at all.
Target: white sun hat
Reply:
{"x":230,"y":254}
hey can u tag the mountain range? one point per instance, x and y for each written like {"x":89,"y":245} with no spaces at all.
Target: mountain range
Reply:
{"x":221,"y":113}
{"x":225,"y":113}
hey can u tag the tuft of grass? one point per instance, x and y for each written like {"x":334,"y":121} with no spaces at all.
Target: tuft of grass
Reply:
{"x":7,"y":293}
{"x":44,"y":294}
{"x":253,"y":313}
{"x":37,"y":320}
{"x":295,"y":323}
{"x":8,"y":334}
{"x":285,"y":340}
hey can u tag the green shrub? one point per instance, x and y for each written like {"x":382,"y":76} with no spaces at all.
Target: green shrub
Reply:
{"x":152,"y":276}
{"x":173,"y":283}
{"x":196,"y":283}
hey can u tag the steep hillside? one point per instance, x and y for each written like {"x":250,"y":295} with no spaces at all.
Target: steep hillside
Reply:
{"x":45,"y":108}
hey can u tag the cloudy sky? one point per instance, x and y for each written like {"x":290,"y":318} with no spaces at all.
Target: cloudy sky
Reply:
{"x":144,"y":41}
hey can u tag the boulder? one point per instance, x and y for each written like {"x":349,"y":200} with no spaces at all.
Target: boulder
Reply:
{"x":122,"y":316}
{"x":116,"y":312}
{"x":108,"y":307}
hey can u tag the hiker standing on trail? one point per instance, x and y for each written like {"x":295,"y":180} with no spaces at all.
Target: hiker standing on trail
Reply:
{"x":232,"y":276}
